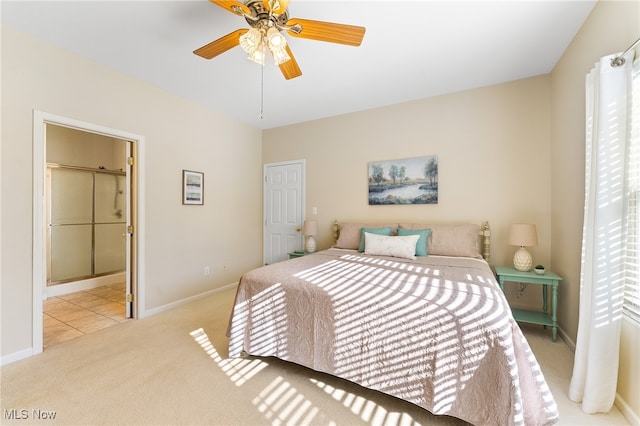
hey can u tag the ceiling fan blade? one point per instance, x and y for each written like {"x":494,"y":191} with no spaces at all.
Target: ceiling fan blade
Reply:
{"x":290,"y":69}
{"x":220,"y":45}
{"x":326,"y":31}
{"x":230,"y":4}
{"x":279,"y":6}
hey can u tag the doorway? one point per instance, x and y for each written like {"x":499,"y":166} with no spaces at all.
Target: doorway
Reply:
{"x":283,"y":209}
{"x":86,"y":211}
{"x":132,"y":275}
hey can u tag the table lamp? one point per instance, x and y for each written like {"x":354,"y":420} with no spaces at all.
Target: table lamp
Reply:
{"x":309,"y":230}
{"x":523,"y":235}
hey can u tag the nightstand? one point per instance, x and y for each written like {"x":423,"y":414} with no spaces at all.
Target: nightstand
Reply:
{"x":295,"y":254}
{"x":509,"y":274}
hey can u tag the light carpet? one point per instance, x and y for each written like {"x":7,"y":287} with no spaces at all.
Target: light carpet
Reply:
{"x":171,"y":369}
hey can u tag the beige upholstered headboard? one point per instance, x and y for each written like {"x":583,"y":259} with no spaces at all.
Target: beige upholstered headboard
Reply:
{"x":448,"y":239}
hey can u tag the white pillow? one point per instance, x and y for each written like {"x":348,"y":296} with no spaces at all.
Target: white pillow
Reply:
{"x":395,"y":246}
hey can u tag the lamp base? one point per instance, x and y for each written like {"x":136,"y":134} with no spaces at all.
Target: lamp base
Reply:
{"x":522,"y":260}
{"x":310,"y":245}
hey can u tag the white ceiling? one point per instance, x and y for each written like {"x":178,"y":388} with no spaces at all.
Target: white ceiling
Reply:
{"x":411,"y":50}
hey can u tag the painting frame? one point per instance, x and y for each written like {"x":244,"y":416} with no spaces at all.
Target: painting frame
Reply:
{"x":407,"y":181}
{"x":192,"y":188}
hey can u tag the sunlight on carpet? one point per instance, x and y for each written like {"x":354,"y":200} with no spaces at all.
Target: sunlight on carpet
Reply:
{"x":239,"y":370}
{"x":366,"y":409}
{"x":281,"y":403}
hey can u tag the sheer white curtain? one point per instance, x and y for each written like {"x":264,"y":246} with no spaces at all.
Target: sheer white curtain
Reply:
{"x":608,"y":102}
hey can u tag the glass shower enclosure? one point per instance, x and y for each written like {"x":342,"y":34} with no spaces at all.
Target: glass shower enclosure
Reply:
{"x":87,"y":223}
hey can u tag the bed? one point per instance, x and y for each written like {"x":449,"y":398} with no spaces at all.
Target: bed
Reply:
{"x":431,"y":328}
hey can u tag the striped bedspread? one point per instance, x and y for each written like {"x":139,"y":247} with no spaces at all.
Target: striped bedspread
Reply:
{"x":436,"y":331}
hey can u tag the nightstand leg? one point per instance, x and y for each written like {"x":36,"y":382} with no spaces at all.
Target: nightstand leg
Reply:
{"x":554,"y":305}
{"x":544,"y":301}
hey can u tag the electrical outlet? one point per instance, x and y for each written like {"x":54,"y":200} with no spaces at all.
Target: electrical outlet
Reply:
{"x":207,"y":270}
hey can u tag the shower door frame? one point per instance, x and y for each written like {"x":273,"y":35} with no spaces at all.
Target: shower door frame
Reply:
{"x":93,"y":274}
{"x":135,"y":272}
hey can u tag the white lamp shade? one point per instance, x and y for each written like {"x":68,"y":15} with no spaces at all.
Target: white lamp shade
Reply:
{"x":310,"y":227}
{"x":523,"y":235}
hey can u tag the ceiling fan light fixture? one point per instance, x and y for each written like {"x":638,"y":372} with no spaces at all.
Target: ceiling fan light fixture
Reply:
{"x":275,"y":39}
{"x":277,"y":45}
{"x":251,"y":40}
{"x":280,"y":56}
{"x":258,"y":55}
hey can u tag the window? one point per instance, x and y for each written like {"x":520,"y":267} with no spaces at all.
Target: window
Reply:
{"x":632,"y":255}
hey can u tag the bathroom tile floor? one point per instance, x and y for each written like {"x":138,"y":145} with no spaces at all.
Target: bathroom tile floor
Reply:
{"x":76,"y":314}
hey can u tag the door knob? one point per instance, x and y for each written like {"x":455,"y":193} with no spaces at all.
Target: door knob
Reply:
{"x":297,"y":229}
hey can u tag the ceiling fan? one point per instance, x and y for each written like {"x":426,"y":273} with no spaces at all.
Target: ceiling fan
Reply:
{"x":268,"y":19}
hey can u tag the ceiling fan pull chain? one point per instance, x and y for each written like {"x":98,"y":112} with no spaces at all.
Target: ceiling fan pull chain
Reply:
{"x":261,"y":92}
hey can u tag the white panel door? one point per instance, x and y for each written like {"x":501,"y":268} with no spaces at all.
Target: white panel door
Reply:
{"x":283,"y":209}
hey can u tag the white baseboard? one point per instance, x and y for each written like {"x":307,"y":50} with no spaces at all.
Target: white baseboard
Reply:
{"x":88,"y":284}
{"x":564,"y":336}
{"x":626,"y":411}
{"x":169,"y":306}
{"x":16,"y":356}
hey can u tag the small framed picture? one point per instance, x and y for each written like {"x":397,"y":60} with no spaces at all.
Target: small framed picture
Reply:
{"x":192,"y":187}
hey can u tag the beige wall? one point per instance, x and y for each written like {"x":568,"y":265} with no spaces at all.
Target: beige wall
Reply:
{"x":180,"y":240}
{"x":493,"y":147}
{"x":611,"y":27}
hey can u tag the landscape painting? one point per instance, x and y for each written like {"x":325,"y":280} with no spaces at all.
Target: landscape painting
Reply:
{"x":408,"y":181}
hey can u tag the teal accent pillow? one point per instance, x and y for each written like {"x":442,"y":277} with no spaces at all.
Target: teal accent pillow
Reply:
{"x":378,"y":231}
{"x":422,"y":248}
